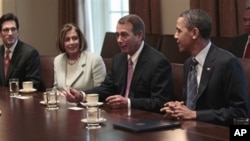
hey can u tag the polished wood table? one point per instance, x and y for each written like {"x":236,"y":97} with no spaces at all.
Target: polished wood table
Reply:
{"x":28,"y":120}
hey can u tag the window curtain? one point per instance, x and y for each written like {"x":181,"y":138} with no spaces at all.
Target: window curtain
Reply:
{"x":226,"y":15}
{"x":85,"y":22}
{"x":79,"y":13}
{"x":67,"y":12}
{"x":149,"y":11}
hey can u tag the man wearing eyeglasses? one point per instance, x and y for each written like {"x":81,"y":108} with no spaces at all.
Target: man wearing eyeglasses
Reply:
{"x":17,"y":59}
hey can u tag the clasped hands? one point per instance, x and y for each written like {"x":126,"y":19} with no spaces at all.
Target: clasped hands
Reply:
{"x":177,"y":110}
{"x":114,"y":101}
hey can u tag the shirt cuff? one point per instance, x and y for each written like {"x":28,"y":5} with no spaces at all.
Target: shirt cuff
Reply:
{"x":83,"y":96}
{"x":129,"y":107}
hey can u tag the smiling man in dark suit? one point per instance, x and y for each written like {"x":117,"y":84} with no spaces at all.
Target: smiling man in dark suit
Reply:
{"x":151,"y":84}
{"x":24,"y":60}
{"x":221,"y":94}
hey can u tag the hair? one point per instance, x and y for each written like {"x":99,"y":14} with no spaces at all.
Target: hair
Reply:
{"x":8,"y":17}
{"x":61,"y":36}
{"x":136,"y":21}
{"x":197,"y":18}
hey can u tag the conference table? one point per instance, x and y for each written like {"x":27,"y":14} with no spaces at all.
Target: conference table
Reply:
{"x":26,"y":119}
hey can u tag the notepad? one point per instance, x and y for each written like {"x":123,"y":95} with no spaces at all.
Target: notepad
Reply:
{"x":147,"y":125}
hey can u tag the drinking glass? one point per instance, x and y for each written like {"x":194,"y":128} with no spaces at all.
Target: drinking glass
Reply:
{"x":52,"y":99}
{"x":14,"y":87}
{"x":94,"y":117}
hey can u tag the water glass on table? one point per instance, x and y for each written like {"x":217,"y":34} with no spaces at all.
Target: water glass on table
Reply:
{"x":94,"y":117}
{"x":14,"y":87}
{"x":51,"y":99}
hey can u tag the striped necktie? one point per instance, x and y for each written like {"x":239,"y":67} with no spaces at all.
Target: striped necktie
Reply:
{"x":192,"y":85}
{"x":6,"y":62}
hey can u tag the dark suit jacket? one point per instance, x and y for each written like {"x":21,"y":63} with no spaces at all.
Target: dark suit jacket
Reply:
{"x":222,"y":90}
{"x":152,"y":82}
{"x":24,"y":65}
{"x":238,"y":45}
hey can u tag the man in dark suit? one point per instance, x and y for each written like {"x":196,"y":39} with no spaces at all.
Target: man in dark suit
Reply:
{"x":239,"y":43}
{"x":221,"y":94}
{"x":24,"y":62}
{"x":151,"y":84}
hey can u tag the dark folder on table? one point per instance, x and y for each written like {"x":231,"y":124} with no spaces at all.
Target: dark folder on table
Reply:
{"x":147,"y":125}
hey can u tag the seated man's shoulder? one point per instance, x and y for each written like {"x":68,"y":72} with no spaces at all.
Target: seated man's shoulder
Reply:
{"x":26,"y":47}
{"x":241,"y":36}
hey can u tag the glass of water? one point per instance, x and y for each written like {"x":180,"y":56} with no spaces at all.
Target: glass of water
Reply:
{"x":14,"y":87}
{"x":52,"y":99}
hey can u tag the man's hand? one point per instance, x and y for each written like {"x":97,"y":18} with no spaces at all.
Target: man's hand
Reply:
{"x":117,"y":101}
{"x":169,"y":110}
{"x":72,"y":95}
{"x":177,"y":110}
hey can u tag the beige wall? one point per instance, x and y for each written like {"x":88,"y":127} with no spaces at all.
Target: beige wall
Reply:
{"x":1,"y":11}
{"x":170,"y":11}
{"x":38,"y":20}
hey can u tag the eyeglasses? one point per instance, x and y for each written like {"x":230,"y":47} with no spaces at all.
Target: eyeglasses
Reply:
{"x":12,"y":29}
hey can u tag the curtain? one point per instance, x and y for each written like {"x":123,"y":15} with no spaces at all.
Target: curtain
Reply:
{"x":149,"y":11}
{"x":67,"y":12}
{"x":226,"y":15}
{"x":79,"y":13}
{"x":85,"y":21}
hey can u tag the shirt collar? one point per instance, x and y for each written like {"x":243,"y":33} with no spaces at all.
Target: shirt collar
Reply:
{"x":137,"y":53}
{"x":201,"y":56}
{"x":12,"y":48}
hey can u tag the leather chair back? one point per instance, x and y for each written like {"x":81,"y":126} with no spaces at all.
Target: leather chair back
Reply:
{"x":170,"y":49}
{"x":177,"y":70}
{"x":110,"y":46}
{"x":47,"y":71}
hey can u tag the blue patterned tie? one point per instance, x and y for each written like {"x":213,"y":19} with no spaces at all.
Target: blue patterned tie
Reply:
{"x":192,"y":85}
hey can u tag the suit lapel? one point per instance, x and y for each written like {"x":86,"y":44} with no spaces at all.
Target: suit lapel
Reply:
{"x":15,"y":58}
{"x":79,"y":71}
{"x":123,"y":70}
{"x":207,"y":70}
{"x":139,"y":69}
{"x":242,"y":43}
{"x":63,"y":67}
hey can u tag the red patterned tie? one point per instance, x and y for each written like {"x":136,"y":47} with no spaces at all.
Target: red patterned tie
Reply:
{"x":6,"y":61}
{"x":129,"y":76}
{"x":247,"y":53}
